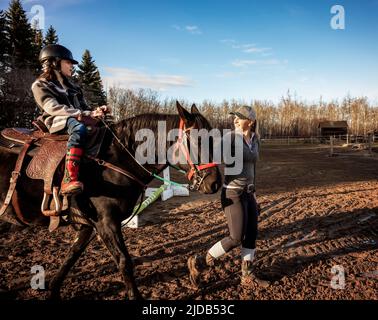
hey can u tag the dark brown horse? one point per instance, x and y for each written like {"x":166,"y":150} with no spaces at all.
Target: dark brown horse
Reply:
{"x":109,"y":196}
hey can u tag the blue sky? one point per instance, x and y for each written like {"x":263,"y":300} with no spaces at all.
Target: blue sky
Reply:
{"x":224,"y":49}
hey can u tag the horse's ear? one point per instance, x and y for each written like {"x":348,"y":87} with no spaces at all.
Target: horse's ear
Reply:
{"x":195,"y":110}
{"x":184,"y":115}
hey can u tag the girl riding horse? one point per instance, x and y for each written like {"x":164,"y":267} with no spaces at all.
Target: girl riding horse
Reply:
{"x":63,"y":107}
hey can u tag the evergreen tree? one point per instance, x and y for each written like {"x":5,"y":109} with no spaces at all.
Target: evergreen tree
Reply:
{"x":51,"y":36}
{"x":19,"y":56}
{"x":38,"y":37}
{"x":3,"y":41}
{"x":21,"y":36}
{"x":90,"y":80}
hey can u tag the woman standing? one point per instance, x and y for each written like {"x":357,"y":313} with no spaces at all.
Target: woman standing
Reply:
{"x":239,"y":203}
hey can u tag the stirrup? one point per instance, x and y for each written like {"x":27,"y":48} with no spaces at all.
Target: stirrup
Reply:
{"x":45,"y":207}
{"x":54,"y":213}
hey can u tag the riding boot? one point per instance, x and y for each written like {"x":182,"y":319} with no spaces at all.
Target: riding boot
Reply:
{"x":248,"y":277}
{"x":71,"y":184}
{"x":197,"y":265}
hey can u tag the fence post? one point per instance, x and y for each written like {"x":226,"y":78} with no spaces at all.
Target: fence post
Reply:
{"x":331,"y":142}
{"x":347,"y":139}
{"x":288,"y":140}
{"x":370,"y":145}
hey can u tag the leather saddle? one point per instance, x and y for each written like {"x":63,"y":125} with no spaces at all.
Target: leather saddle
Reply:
{"x":48,"y":153}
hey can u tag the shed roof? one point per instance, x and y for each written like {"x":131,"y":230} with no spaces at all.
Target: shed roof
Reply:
{"x":333,"y":124}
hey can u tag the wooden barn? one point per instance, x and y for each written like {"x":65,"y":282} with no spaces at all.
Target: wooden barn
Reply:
{"x":330,"y":128}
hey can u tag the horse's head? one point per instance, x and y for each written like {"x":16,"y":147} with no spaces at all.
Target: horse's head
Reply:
{"x":203,"y":176}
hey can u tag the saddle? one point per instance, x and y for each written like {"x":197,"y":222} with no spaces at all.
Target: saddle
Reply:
{"x":47,"y":164}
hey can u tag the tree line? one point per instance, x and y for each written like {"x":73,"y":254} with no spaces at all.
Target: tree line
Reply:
{"x":20,"y":44}
{"x":288,"y":117}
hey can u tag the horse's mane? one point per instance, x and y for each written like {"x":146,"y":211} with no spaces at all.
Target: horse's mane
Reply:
{"x":127,"y":128}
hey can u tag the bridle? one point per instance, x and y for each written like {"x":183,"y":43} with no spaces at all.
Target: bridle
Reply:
{"x":196,"y":171}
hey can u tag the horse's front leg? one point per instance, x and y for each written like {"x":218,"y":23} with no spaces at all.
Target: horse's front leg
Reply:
{"x":110,"y":232}
{"x":78,"y":247}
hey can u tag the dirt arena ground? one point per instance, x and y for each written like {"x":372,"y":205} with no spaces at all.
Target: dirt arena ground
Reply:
{"x":317,"y":212}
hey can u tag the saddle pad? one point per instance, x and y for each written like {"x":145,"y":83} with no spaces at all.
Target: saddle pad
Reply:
{"x":45,"y":162}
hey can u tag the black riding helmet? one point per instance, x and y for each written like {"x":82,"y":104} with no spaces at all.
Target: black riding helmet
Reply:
{"x":56,"y":51}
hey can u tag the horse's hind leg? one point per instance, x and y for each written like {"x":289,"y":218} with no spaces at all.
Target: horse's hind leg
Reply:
{"x":78,"y":247}
{"x":112,"y":236}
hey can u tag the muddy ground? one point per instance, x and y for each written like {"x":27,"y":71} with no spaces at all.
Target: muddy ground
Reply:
{"x":317,"y":212}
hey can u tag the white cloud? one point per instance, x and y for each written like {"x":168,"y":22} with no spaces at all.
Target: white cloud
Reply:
{"x":193,"y":29}
{"x":243,"y":46}
{"x":129,"y":78}
{"x":245,"y":63}
{"x":247,"y":47}
{"x":256,"y":50}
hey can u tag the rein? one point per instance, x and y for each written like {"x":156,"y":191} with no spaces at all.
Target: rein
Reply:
{"x":105,"y":164}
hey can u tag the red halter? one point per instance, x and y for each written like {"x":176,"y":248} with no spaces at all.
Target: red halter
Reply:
{"x":193,"y":168}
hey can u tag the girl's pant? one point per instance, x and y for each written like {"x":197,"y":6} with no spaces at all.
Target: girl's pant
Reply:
{"x":77,"y":133}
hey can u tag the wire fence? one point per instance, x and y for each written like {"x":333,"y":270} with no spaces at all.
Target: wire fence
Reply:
{"x":318,"y":140}
{"x":337,"y":145}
